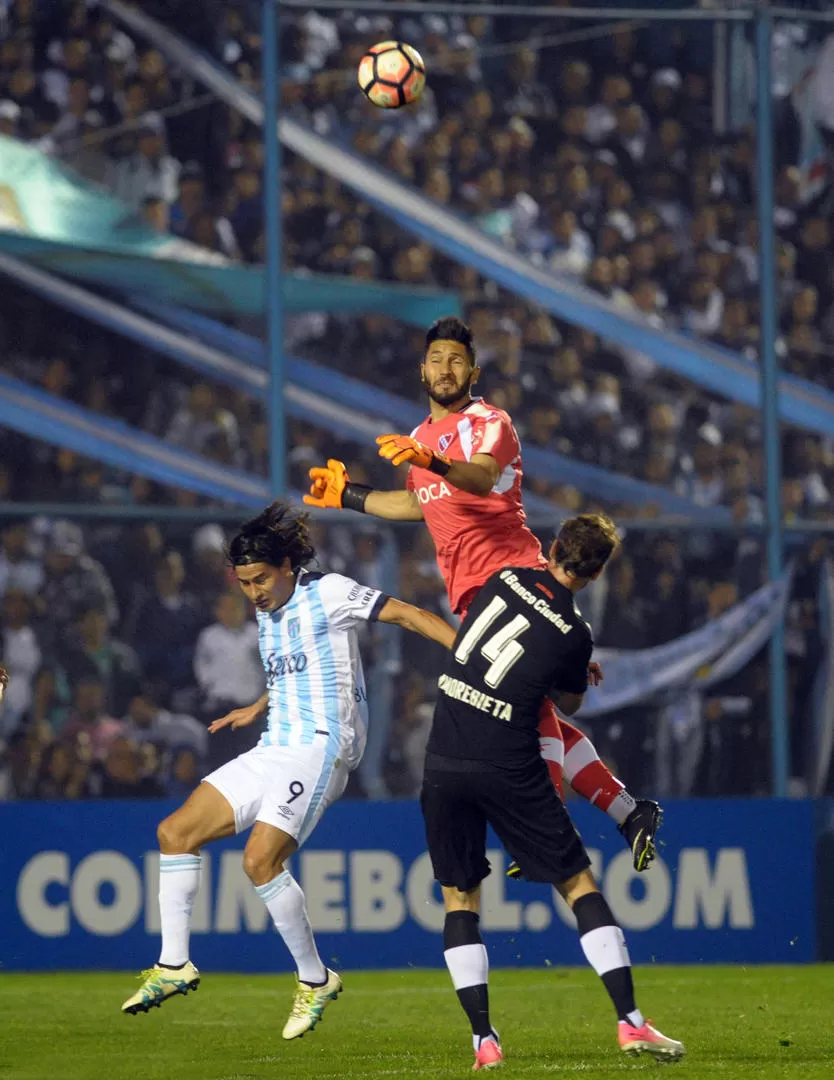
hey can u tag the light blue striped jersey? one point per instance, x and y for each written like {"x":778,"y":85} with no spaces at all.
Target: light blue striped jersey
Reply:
{"x":310,"y":651}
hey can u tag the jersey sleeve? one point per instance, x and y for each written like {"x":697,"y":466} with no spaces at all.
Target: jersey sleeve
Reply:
{"x":573,"y":678}
{"x":346,"y":602}
{"x":495,"y":435}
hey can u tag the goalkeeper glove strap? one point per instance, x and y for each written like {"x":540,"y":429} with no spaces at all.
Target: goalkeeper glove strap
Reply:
{"x":354,"y":496}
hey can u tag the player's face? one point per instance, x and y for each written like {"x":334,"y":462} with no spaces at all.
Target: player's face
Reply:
{"x":447,"y":372}
{"x":268,"y":587}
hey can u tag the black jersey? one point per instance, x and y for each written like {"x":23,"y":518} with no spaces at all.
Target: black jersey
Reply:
{"x":522,"y":639}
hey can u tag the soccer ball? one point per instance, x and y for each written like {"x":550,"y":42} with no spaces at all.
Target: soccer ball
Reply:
{"x":392,"y":74}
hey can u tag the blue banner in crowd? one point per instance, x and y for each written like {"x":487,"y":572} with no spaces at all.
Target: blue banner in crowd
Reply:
{"x":55,"y":220}
{"x":80,"y":886}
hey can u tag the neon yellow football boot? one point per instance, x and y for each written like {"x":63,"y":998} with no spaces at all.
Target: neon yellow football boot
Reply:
{"x":160,"y":983}
{"x":309,"y":1003}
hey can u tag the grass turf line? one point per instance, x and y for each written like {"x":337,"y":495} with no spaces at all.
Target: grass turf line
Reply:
{"x":762,"y":1022}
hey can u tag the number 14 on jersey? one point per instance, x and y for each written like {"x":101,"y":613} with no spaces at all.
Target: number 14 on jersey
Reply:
{"x":502,"y":648}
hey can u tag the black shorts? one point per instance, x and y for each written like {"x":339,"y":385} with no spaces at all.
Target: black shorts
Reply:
{"x":459,"y":799}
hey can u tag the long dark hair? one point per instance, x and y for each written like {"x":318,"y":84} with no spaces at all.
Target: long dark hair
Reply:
{"x":276,"y":534}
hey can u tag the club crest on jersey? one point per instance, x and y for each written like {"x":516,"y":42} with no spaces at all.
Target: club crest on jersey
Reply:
{"x":445,"y":441}
{"x":294,"y":628}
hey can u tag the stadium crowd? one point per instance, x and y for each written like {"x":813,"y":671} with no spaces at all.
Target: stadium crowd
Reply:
{"x":598,"y":160}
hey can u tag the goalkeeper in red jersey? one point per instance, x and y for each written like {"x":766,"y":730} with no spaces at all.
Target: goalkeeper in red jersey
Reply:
{"x":464,"y":481}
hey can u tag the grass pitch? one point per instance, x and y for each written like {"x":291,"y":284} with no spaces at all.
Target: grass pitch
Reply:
{"x":762,"y":1022}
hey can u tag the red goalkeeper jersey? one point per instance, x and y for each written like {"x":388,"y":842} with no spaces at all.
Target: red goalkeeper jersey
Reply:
{"x":474,"y":535}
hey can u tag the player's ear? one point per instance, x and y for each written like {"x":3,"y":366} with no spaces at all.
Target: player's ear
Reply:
{"x":476,"y":374}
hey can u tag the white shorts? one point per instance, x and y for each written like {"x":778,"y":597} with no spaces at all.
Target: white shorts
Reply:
{"x":288,"y":787}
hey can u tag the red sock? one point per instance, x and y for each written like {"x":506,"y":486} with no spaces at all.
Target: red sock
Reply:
{"x":551,"y":744}
{"x":589,"y":778}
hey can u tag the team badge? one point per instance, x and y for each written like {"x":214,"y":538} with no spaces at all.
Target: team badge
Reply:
{"x":445,"y":441}
{"x":294,"y":627}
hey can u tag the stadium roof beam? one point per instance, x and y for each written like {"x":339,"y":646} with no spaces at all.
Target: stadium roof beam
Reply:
{"x":548,"y":11}
{"x":533,"y":11}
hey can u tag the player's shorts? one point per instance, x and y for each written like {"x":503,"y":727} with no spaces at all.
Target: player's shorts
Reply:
{"x":288,"y":787}
{"x":459,"y":799}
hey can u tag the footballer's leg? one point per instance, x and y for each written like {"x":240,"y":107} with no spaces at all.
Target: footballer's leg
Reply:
{"x":571,"y":755}
{"x":302,"y":784}
{"x":456,"y":836}
{"x":466,"y":958}
{"x":205,"y":816}
{"x":534,"y":826}
{"x":604,"y":946}
{"x":637,"y":819}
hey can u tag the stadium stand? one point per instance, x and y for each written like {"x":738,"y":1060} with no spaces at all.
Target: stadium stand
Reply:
{"x":598,"y":162}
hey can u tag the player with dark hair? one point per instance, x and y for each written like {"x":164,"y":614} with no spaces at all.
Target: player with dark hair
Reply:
{"x":316,"y":719}
{"x":522,"y":640}
{"x":464,"y":481}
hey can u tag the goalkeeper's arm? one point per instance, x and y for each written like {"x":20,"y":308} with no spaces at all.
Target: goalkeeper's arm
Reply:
{"x":332,"y":488}
{"x":394,"y":505}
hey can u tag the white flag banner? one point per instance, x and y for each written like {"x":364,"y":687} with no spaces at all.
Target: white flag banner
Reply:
{"x":722,"y":647}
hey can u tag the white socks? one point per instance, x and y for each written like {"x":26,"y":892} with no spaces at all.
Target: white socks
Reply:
{"x":605,"y":949}
{"x":621,"y":806}
{"x":285,"y":902}
{"x":179,"y":880}
{"x":468,"y":965}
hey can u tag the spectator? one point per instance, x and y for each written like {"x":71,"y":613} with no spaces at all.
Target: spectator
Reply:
{"x":62,"y":775}
{"x":21,"y":657}
{"x":72,"y":578}
{"x":229,"y":673}
{"x":191,"y":198}
{"x":202,"y":418}
{"x":92,"y":650}
{"x":149,"y":171}
{"x":147,"y":721}
{"x":88,"y":717}
{"x":209,"y":574}
{"x":18,"y":569}
{"x":167,"y":624}
{"x":122,"y":776}
{"x":20,"y":758}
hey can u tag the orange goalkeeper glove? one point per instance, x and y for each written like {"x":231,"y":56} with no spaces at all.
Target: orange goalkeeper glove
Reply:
{"x":331,"y":489}
{"x":399,"y":449}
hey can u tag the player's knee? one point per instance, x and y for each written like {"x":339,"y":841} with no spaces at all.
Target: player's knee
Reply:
{"x":260,"y":865}
{"x":455,"y":899}
{"x":579,"y":885}
{"x":171,"y":836}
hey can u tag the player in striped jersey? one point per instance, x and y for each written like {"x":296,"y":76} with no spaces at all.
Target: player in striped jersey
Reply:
{"x":464,"y":481}
{"x":316,"y":720}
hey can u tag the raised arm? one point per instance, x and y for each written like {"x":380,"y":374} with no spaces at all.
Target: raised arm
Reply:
{"x":478,"y":476}
{"x":418,"y":621}
{"x":332,"y":488}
